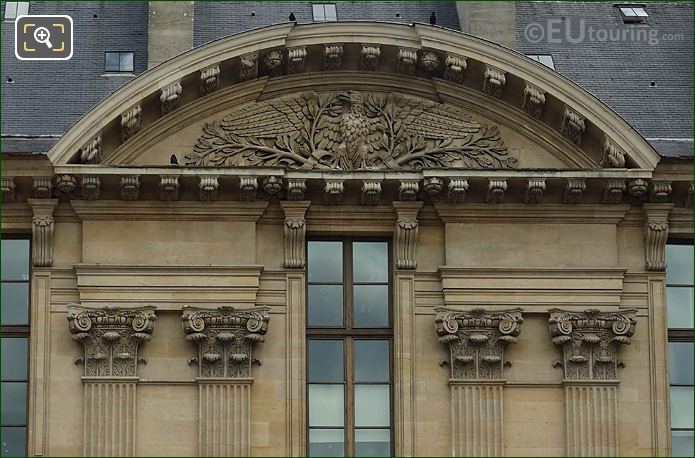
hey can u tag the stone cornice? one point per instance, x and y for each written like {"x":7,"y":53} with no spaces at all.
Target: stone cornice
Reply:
{"x":162,"y":211}
{"x":525,"y":213}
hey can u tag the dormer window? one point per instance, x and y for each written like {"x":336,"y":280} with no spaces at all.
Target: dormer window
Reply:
{"x":633,"y":14}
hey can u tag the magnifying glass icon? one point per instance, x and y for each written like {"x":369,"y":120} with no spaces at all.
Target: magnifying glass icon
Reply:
{"x":42,"y":35}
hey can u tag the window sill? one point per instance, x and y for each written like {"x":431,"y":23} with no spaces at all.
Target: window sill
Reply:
{"x":118,"y":75}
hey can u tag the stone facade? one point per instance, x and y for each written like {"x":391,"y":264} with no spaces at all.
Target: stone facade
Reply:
{"x":513,"y":273}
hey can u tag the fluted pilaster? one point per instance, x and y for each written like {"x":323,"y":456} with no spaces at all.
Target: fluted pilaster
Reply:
{"x":109,"y":416}
{"x":477,"y":418}
{"x":592,"y":419}
{"x":225,"y":417}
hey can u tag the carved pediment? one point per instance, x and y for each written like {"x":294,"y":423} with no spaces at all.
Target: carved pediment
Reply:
{"x":350,"y":131}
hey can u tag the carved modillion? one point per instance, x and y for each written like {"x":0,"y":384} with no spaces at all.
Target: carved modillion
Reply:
{"x":170,"y":98}
{"x":433,"y":186}
{"x":296,"y":57}
{"x":66,"y":183}
{"x":272,"y":62}
{"x":408,"y":189}
{"x":209,"y":80}
{"x":454,"y":66}
{"x":208,"y":188}
{"x":333,"y":192}
{"x":535,"y":187}
{"x":406,"y":234}
{"x":248,"y":188}
{"x":130,"y":187}
{"x":660,"y":192}
{"x":7,"y":188}
{"x":295,"y":233}
{"x":656,"y":228}
{"x":573,"y":126}
{"x":169,"y":188}
{"x":613,"y":156}
{"x":225,"y":337}
{"x":42,"y":225}
{"x":332,"y":56}
{"x":457,"y":190}
{"x":43,"y":188}
{"x":91,"y":151}
{"x":574,"y":191}
{"x":533,"y":100}
{"x":296,"y":189}
{"x":111,"y":337}
{"x":613,"y":191}
{"x":406,"y":60}
{"x":371,"y":192}
{"x":131,"y":120}
{"x":369,"y":57}
{"x":496,"y":187}
{"x":494,"y":81}
{"x":429,"y":61}
{"x":248,"y":66}
{"x":91,"y":187}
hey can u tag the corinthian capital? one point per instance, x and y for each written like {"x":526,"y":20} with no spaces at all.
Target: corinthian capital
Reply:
{"x":476,"y":340}
{"x":111,"y":336}
{"x":590,"y":341}
{"x":225,"y":337}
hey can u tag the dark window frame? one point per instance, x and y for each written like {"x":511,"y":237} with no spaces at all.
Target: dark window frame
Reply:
{"x":348,"y":334}
{"x":107,"y":70}
{"x":21,"y":331}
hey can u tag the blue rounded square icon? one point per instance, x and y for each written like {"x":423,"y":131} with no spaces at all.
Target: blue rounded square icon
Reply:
{"x":43,"y":37}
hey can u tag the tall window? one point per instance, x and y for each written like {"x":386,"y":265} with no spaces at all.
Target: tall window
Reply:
{"x":349,"y":341}
{"x":679,"y":281}
{"x":14,"y":315}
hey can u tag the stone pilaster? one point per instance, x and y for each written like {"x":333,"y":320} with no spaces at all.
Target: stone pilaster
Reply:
{"x":295,"y":233}
{"x":406,"y":234}
{"x":225,"y":338}
{"x":590,"y":341}
{"x":111,"y":337}
{"x":42,"y":231}
{"x":656,"y":235}
{"x":477,"y":339}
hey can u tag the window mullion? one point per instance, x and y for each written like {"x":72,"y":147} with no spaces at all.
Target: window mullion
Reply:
{"x":350,"y":398}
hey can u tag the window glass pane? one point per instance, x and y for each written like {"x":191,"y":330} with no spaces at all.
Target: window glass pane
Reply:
{"x":126,"y":64}
{"x":325,"y":261}
{"x":680,"y":366}
{"x":326,"y":360}
{"x":679,"y":264}
{"x":14,"y":358}
{"x":15,"y":259}
{"x":22,"y":8}
{"x":14,"y":300}
{"x":682,"y":442}
{"x":318,"y":13}
{"x":14,"y":441}
{"x":547,"y":61}
{"x":10,"y":10}
{"x":640,"y":12}
{"x":325,"y":305}
{"x":330,"y":12}
{"x":14,"y":403}
{"x":326,"y":406}
{"x":372,"y":442}
{"x":682,"y":406}
{"x":372,"y":404}
{"x":371,"y":360}
{"x":679,"y":307}
{"x":326,"y":442}
{"x":370,"y":262}
{"x":371,"y":306}
{"x":627,"y":11}
{"x":113,"y":62}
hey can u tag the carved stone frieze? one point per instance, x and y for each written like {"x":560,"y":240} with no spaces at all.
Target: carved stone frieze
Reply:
{"x":130,"y":187}
{"x":406,"y":60}
{"x":272,"y":185}
{"x":43,"y":225}
{"x":494,"y":81}
{"x":209,"y":80}
{"x":209,"y":186}
{"x":637,"y":188}
{"x":296,"y":189}
{"x":457,"y":190}
{"x":573,"y":126}
{"x":296,"y":57}
{"x":66,"y":183}
{"x":660,"y":192}
{"x":170,"y":98}
{"x":248,"y":187}
{"x":454,"y":66}
{"x":111,"y":337}
{"x":407,"y":190}
{"x":91,"y":187}
{"x":406,"y":234}
{"x":91,"y":151}
{"x":613,"y":191}
{"x":225,"y":338}
{"x":295,"y":233}
{"x":574,"y":191}
{"x":613,"y":157}
{"x":656,"y":228}
{"x":590,"y":341}
{"x":496,"y":187}
{"x":248,"y":66}
{"x":477,"y":339}
{"x":43,"y":188}
{"x":350,"y":131}
{"x":429,"y":61}
{"x":333,"y":56}
{"x":533,"y":194}
{"x":371,"y":192}
{"x":272,"y":62}
{"x":333,"y":192}
{"x":7,"y":188}
{"x":433,"y":186}
{"x":169,"y":188}
{"x":533,"y":101}
{"x":131,"y":121}
{"x":369,"y":57}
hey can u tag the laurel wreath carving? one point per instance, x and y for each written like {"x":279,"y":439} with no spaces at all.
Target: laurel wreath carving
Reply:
{"x":350,"y":131}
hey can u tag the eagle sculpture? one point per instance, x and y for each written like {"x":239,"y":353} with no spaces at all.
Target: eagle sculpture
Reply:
{"x":349,"y":131}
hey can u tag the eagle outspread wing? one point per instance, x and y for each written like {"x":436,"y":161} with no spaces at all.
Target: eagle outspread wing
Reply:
{"x":425,"y":118}
{"x":281,"y":116}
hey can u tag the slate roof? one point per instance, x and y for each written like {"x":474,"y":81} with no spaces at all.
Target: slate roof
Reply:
{"x":45,"y":98}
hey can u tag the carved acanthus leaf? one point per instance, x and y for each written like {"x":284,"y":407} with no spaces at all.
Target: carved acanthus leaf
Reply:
{"x":225,"y":338}
{"x":476,"y":340}
{"x":350,"y":131}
